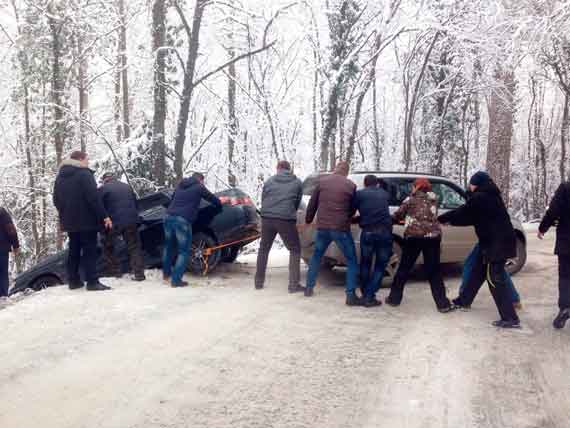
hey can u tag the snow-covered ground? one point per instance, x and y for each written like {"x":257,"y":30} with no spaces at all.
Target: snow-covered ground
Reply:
{"x":221,"y":354}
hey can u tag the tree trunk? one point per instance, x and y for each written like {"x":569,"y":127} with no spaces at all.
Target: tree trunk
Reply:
{"x":501,"y":120}
{"x":232,"y":119}
{"x":193,"y":45}
{"x":83,"y":94}
{"x":56,"y":86}
{"x":124,"y":69}
{"x":117,"y":100}
{"x":159,"y":92}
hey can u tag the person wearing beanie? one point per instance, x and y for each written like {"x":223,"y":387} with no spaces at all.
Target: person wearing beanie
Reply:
{"x":486,"y":211}
{"x":422,"y":235}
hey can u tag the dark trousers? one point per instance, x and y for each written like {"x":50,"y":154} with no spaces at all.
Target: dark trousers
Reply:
{"x":4,"y":284}
{"x":431,"y":250}
{"x":287,"y":230}
{"x":375,"y":246}
{"x":82,"y":252}
{"x":564,"y":281}
{"x":495,"y":275}
{"x":131,"y":236}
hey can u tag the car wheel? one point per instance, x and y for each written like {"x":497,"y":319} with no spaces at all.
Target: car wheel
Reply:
{"x":44,"y":282}
{"x":199,"y":263}
{"x":393,"y":264}
{"x":515,"y":265}
{"x":230,"y":254}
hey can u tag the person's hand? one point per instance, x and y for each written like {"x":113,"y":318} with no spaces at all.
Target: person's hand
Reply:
{"x":108,"y":223}
{"x":540,"y":235}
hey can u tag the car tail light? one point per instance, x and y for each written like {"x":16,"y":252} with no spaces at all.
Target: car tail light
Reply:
{"x":234,"y":201}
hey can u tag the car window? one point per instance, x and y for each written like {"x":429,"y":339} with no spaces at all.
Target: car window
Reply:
{"x":449,"y":198}
{"x":399,"y":189}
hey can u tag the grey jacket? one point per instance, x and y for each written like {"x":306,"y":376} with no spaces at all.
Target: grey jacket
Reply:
{"x":281,"y":197}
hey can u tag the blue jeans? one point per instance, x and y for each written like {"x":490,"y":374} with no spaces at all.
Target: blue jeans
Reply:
{"x":345,"y":243}
{"x":177,"y":234}
{"x":379,"y":245}
{"x":468,"y":266}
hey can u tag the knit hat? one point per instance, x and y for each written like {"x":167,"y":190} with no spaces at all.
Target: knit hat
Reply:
{"x":480,"y":178}
{"x":107,"y":176}
{"x":422,"y":184}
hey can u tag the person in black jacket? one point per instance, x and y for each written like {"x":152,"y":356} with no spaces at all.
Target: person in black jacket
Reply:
{"x":81,"y":215}
{"x":181,"y":214}
{"x":8,"y":243}
{"x":375,"y":220}
{"x":487,"y":212}
{"x":120,"y":202}
{"x":559,"y":212}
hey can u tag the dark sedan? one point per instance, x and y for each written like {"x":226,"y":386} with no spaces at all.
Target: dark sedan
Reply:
{"x":231,"y":229}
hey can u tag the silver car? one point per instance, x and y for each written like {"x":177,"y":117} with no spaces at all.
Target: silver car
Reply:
{"x":457,"y":241}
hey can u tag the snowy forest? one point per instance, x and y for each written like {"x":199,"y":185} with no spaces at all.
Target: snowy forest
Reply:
{"x":157,"y":89}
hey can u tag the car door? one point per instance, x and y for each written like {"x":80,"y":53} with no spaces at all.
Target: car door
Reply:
{"x":457,"y":241}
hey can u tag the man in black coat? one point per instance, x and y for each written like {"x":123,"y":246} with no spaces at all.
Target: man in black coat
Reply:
{"x":120,"y":202}
{"x":81,"y":215}
{"x":559,"y":212}
{"x":487,"y":212}
{"x":8,"y":243}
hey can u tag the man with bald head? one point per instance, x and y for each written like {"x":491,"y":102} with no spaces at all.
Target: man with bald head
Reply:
{"x":333,"y":203}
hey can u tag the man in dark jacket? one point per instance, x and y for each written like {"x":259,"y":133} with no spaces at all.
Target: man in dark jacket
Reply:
{"x":374,"y":218}
{"x":559,"y":212}
{"x":181,"y":214}
{"x":81,"y":215}
{"x":487,"y":212}
{"x":280,"y":201}
{"x":8,"y":243}
{"x":334,"y":199}
{"x":120,"y":202}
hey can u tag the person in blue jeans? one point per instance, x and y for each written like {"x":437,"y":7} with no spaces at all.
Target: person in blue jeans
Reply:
{"x":182,"y":212}
{"x":374,"y":218}
{"x":467,"y":268}
{"x":334,"y":200}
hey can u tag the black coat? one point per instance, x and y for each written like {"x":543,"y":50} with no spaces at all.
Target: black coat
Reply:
{"x":487,"y":212}
{"x":8,"y":235}
{"x":186,"y":199}
{"x":559,"y":211}
{"x":373,"y":208}
{"x":120,"y":202}
{"x":77,"y":200}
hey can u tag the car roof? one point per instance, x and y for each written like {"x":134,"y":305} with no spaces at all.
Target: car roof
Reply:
{"x":390,"y":174}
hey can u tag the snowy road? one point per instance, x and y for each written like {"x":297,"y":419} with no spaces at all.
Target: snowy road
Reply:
{"x":221,"y":354}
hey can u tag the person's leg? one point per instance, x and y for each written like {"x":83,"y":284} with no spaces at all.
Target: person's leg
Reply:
{"x":511,"y":290}
{"x":468,"y":266}
{"x":112,"y":267}
{"x":4,"y":280}
{"x":290,"y":236}
{"x":366,"y":256}
{"x":183,"y":231}
{"x":169,"y":246}
{"x":383,"y":252}
{"x":268,"y":233}
{"x":134,"y":246}
{"x":563,"y":281}
{"x":89,"y":256}
{"x":476,"y":279}
{"x":322,"y":241}
{"x":73,"y":260}
{"x":431,"y":249}
{"x":345,"y":243}
{"x":410,"y":252}
{"x":497,"y":285}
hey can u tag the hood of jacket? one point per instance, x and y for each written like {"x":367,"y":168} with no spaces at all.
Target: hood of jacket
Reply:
{"x":283,"y":177}
{"x":70,"y":166}
{"x":188,"y":182}
{"x":490,"y":188}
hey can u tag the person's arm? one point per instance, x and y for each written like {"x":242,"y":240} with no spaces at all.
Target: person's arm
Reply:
{"x":400,"y":214}
{"x":299,"y":196}
{"x":462,"y":216}
{"x":93,"y":198}
{"x":211,"y":198}
{"x":10,"y":229}
{"x":554,"y":211}
{"x":313,"y":206}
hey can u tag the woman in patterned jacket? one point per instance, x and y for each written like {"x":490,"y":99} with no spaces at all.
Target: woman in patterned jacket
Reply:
{"x":422,"y":235}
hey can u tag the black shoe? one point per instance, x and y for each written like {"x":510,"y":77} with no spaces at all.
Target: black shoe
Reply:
{"x":560,"y":321}
{"x":458,"y":305}
{"x":392,"y":302}
{"x":507,"y":324}
{"x":296,"y":289}
{"x":372,"y":302}
{"x":354,"y":300}
{"x":139,"y":278}
{"x":75,"y":285}
{"x":258,"y":287}
{"x":448,"y":309}
{"x":309,"y":292}
{"x":180,"y":284}
{"x":97,"y":286}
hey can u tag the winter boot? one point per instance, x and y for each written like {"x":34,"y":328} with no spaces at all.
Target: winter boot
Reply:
{"x":97,"y":286}
{"x":296,"y":289}
{"x":309,"y":292}
{"x":459,"y":305}
{"x":353,"y":300}
{"x":390,"y":301}
{"x":180,"y":284}
{"x":371,"y":302}
{"x":507,"y":324}
{"x":139,"y":278}
{"x":447,"y":309}
{"x":74,"y":285}
{"x":560,"y":321}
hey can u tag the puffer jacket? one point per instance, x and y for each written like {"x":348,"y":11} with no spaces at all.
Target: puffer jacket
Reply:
{"x":187,"y":197}
{"x":419,"y":211}
{"x":281,"y":197}
{"x":120,"y":203}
